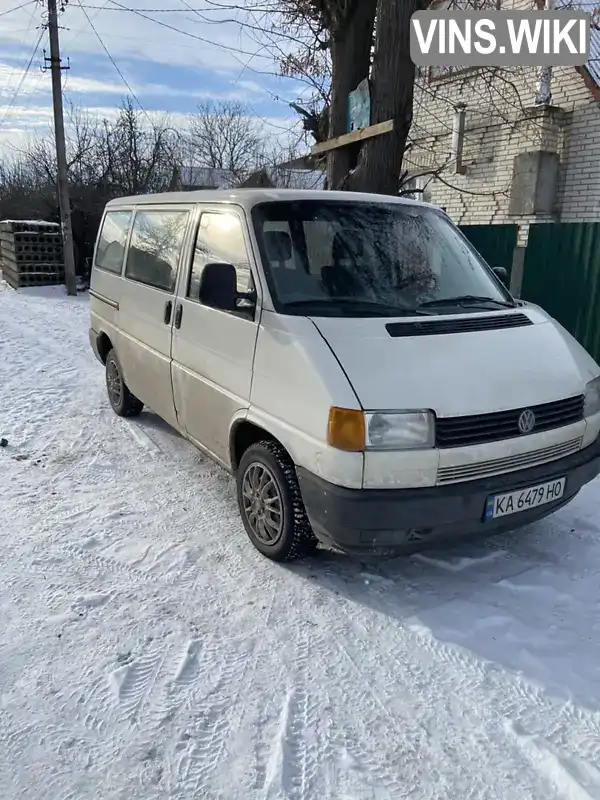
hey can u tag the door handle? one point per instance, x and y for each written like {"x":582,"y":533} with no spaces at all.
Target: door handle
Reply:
{"x":168,"y":310}
{"x":178,"y":316}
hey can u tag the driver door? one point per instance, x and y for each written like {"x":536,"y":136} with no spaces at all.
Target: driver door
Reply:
{"x":213,"y":350}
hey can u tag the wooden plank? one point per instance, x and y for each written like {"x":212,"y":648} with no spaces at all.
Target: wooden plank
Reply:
{"x":352,"y":138}
{"x":303,"y":163}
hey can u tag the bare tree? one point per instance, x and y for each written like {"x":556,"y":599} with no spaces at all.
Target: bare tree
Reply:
{"x":224,"y":136}
{"x":133,"y":154}
{"x":140,"y":153}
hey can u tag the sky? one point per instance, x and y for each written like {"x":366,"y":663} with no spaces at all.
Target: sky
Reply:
{"x":172,"y":53}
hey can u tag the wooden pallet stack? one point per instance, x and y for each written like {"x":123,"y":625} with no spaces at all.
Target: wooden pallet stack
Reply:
{"x":31,"y":253}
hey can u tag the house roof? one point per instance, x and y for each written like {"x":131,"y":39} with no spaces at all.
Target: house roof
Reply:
{"x":211,"y":177}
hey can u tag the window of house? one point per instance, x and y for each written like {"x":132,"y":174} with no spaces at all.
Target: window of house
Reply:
{"x":112,"y":241}
{"x":155,"y":247}
{"x":220,"y":239}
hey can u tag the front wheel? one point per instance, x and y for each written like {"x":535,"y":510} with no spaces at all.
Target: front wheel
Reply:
{"x":271,"y":505}
{"x":122,"y":401}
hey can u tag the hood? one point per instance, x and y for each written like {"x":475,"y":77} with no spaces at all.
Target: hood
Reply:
{"x":459,"y":373}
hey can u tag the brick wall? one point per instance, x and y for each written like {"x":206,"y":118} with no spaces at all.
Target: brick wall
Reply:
{"x":502,"y":121}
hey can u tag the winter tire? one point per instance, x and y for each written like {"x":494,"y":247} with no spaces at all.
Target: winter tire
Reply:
{"x":271,"y":505}
{"x":123,"y":403}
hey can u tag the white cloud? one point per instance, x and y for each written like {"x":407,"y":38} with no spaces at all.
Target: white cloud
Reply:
{"x":28,"y":119}
{"x":75,"y":84}
{"x":144,"y":52}
{"x":226,"y":46}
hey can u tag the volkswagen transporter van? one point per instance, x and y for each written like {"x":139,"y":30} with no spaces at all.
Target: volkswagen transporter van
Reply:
{"x":350,"y":358}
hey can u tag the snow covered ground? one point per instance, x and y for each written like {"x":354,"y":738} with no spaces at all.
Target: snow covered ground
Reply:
{"x":148,"y":652}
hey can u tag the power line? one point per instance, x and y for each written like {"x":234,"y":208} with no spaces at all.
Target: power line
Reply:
{"x":80,"y":30}
{"x":13,"y":71}
{"x":148,"y":10}
{"x":199,"y":12}
{"x":191,"y":35}
{"x":18,"y":8}
{"x":22,"y":81}
{"x":182,"y":10}
{"x":113,"y":62}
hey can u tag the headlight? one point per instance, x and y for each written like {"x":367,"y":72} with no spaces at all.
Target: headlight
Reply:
{"x":592,"y":398}
{"x":407,"y":430}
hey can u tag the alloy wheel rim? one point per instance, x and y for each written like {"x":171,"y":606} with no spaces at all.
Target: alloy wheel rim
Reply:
{"x":113,"y":382}
{"x":262,"y":503}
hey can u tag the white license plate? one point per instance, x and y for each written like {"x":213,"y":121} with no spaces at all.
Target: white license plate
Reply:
{"x":500,"y":505}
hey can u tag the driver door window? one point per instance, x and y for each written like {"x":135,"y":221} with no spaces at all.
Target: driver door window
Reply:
{"x":220,"y":238}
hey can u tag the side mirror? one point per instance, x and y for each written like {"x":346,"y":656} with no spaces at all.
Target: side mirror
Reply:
{"x":218,"y":286}
{"x":218,"y":289}
{"x":502,"y":274}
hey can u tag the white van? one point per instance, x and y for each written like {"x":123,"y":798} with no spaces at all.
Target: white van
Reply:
{"x":350,"y":358}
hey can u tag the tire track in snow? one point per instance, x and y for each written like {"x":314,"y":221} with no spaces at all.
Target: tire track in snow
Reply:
{"x":215,"y":715}
{"x":197,"y":667}
{"x":371,"y":757}
{"x":571,"y":777}
{"x":300,"y":752}
{"x":503,"y":696}
{"x":12,"y":741}
{"x":94,"y":706}
{"x":410,"y":653}
{"x":133,"y":683}
{"x":101,"y":564}
{"x":202,"y":747}
{"x":292,"y":747}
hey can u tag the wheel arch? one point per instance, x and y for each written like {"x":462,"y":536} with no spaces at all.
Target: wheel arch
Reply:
{"x":244,"y":433}
{"x":103,"y":345}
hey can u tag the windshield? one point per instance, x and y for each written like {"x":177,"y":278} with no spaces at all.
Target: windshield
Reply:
{"x":332,"y":258}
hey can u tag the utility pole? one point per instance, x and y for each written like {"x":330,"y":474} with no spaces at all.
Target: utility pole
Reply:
{"x":56,"y":69}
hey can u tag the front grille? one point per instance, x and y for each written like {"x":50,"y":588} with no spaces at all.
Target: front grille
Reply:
{"x":497,"y":466}
{"x":491,"y":322}
{"x":482,"y":428}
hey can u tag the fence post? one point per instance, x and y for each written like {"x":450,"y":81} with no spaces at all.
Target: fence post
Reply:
{"x":516,"y":275}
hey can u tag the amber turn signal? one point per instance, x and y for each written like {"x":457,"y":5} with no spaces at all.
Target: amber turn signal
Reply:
{"x":346,"y":430}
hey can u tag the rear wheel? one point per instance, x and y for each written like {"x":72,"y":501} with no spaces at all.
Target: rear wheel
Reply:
{"x":271,"y":505}
{"x":122,"y":401}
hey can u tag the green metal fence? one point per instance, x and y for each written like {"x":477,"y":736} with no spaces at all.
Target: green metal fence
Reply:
{"x":562,"y":274}
{"x":496,"y":243}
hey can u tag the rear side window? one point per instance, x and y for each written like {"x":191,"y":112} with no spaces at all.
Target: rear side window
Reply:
{"x":112,"y":240}
{"x":155,"y":247}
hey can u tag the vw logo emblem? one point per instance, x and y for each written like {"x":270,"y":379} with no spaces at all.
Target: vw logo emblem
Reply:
{"x":526,"y":421}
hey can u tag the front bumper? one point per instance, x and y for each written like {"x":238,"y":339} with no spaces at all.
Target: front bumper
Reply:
{"x":382,"y":521}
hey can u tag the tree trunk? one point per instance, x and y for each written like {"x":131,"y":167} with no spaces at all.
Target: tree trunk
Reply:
{"x":350,"y":59}
{"x":392,"y":83}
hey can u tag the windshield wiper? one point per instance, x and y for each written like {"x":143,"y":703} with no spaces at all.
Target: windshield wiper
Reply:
{"x":465,"y":300}
{"x":360,"y":305}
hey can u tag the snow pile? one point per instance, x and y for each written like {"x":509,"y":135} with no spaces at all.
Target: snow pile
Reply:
{"x":148,"y":651}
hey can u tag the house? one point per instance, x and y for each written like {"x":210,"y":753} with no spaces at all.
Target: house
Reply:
{"x":281,"y":176}
{"x":195,"y":178}
{"x":517,"y":145}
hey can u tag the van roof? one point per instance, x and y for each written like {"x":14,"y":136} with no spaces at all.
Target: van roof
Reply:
{"x":250,"y":197}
